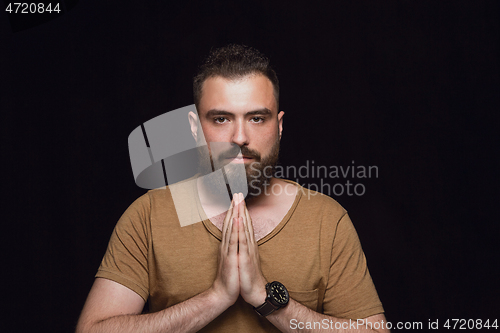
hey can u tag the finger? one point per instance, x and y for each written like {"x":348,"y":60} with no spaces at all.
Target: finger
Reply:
{"x":250,"y":226}
{"x":230,"y":228}
{"x":226,"y":223}
{"x":246,"y":222}
{"x":242,"y":238}
{"x":230,"y":215}
{"x":227,"y":226}
{"x":233,"y":238}
{"x":237,"y":204}
{"x":234,"y":213}
{"x":241,"y":205}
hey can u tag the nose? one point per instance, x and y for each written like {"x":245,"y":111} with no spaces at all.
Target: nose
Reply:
{"x":240,"y":136}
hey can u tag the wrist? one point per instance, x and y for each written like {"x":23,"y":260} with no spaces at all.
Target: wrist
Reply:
{"x":259,"y":297}
{"x":219,"y":298}
{"x":276,"y":298}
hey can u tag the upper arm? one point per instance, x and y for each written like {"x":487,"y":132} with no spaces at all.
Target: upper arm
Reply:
{"x":350,"y":292}
{"x":108,"y":299}
{"x":126,"y":258}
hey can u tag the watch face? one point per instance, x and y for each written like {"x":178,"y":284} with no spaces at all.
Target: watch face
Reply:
{"x":279,"y":293}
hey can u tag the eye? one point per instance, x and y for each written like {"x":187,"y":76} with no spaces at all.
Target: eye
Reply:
{"x":257,"y":120}
{"x":220,"y":120}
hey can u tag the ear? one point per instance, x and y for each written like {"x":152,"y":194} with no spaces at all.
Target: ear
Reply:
{"x":280,"y":122}
{"x":193,"y":123}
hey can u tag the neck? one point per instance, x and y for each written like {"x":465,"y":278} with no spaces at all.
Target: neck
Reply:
{"x":266,"y":195}
{"x":209,"y":197}
{"x":216,"y":200}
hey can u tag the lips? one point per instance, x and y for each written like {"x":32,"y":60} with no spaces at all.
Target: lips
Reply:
{"x":244,"y":154}
{"x":240,"y":158}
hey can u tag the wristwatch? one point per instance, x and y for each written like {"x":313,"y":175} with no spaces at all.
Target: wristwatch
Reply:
{"x":277,"y":298}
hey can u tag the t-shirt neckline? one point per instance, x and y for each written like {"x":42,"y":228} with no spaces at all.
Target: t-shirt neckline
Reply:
{"x":212,"y":229}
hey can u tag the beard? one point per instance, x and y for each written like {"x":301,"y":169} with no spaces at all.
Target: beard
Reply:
{"x":253,"y":180}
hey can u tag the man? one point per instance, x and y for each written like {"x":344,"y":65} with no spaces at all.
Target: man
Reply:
{"x":281,"y":260}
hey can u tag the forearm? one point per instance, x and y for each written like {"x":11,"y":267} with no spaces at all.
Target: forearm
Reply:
{"x":295,"y":317}
{"x":188,"y":316}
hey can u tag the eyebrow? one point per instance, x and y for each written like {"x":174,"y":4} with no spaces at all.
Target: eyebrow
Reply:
{"x":216,"y":112}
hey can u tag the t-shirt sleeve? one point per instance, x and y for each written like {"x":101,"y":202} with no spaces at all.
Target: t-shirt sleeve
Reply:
{"x":350,"y":292}
{"x":125,"y":260}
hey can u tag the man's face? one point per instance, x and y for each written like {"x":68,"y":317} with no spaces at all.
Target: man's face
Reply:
{"x":242,"y":112}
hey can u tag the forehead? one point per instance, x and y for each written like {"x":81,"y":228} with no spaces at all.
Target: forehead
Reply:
{"x":251,"y":92}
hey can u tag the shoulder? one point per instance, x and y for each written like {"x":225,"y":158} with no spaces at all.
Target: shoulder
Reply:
{"x":141,"y":208}
{"x":315,"y":201}
{"x":176,"y":204}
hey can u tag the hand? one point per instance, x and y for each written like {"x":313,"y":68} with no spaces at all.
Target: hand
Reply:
{"x":252,"y":282}
{"x":227,"y":284}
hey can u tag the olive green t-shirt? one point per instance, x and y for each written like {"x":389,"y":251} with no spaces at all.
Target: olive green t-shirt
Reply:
{"x":314,"y":251}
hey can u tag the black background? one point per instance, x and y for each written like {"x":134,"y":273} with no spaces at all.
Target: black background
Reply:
{"x":411,"y":87}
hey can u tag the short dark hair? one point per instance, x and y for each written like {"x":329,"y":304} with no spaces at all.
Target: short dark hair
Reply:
{"x":233,"y":62}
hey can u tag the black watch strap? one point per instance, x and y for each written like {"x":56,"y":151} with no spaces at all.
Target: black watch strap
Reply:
{"x":265,"y":309}
{"x":277,"y":298}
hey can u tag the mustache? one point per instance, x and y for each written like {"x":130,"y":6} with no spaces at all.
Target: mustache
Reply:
{"x":245,"y":151}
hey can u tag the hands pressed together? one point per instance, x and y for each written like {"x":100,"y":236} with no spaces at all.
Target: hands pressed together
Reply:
{"x":238,"y":271}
